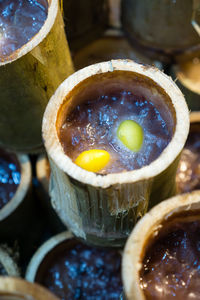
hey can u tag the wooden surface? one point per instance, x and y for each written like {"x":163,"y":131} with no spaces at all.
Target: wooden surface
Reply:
{"x":135,"y":246}
{"x":28,"y":79}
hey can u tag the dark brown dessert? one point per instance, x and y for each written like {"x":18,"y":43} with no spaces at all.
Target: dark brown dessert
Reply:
{"x":9,"y":176}
{"x":94,"y":123}
{"x":188,"y":173}
{"x":73,"y":270}
{"x":20,"y":20}
{"x":171,"y":264}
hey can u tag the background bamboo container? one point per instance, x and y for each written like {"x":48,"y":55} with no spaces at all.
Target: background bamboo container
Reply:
{"x":84,"y":21}
{"x":32,"y":272}
{"x":143,"y":19}
{"x":135,"y":247}
{"x":15,"y":288}
{"x":28,"y":78}
{"x":16,"y":213}
{"x":43,"y":175}
{"x":8,"y":266}
{"x":187,"y":77}
{"x":103,"y":209}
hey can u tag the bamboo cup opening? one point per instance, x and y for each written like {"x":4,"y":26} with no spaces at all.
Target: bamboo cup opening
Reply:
{"x":38,"y":37}
{"x":147,"y":229}
{"x":117,"y":81}
{"x":115,"y":75}
{"x":24,"y":168}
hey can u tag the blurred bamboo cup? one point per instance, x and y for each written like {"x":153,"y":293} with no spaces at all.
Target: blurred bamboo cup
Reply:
{"x":28,"y":78}
{"x":102,"y":209}
{"x":161,"y":29}
{"x":84,"y":21}
{"x":143,"y":233}
{"x":18,"y":289}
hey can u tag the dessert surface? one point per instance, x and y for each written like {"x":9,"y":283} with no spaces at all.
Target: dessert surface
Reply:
{"x":20,"y":20}
{"x":171,"y":266}
{"x":9,"y":177}
{"x":83,"y":272}
{"x":97,"y":124}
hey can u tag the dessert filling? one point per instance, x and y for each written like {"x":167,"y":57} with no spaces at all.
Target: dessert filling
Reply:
{"x":75,"y":271}
{"x":20,"y":20}
{"x":115,"y":132}
{"x":10,"y":176}
{"x":171,"y":264}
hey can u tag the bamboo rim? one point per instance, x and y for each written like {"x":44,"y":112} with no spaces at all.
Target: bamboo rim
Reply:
{"x":22,"y":189}
{"x":54,"y":147}
{"x":40,"y":254}
{"x":38,"y":37}
{"x":11,"y":287}
{"x":8,"y":263}
{"x":135,"y":247}
{"x":42,"y":171}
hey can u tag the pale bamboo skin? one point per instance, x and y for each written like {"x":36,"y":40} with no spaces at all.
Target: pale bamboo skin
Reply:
{"x":18,"y":289}
{"x":142,"y":21}
{"x":185,"y":81}
{"x":28,"y":78}
{"x":7,"y":260}
{"x":15,"y":212}
{"x":135,"y":247}
{"x":40,"y":254}
{"x":103,"y":209}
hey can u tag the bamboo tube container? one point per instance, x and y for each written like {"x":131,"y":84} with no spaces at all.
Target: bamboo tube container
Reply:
{"x":18,"y":289}
{"x":57,"y":251}
{"x":8,"y":266}
{"x":19,"y":206}
{"x":187,"y":177}
{"x":43,"y":175}
{"x":34,"y":266}
{"x":143,"y":19}
{"x":188,"y":80}
{"x":84,"y":21}
{"x":141,"y":235}
{"x":103,"y":209}
{"x":28,"y":78}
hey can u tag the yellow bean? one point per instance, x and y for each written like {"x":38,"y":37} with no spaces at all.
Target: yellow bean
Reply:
{"x":93,"y":160}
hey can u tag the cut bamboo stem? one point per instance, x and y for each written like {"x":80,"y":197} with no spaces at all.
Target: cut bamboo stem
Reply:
{"x":137,"y":243}
{"x":142,"y":20}
{"x":28,"y":78}
{"x":8,"y":265}
{"x":103,"y":209}
{"x":15,"y":288}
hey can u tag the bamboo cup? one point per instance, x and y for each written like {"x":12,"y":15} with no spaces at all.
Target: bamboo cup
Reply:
{"x":142,"y":21}
{"x":141,"y":235}
{"x":28,"y":78}
{"x":103,"y":209}
{"x":16,"y":213}
{"x":188,"y":80}
{"x":18,"y":289}
{"x":84,"y":21}
{"x":8,"y":266}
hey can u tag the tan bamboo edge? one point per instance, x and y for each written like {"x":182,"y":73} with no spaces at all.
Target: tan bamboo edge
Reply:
{"x":8,"y":262}
{"x":55,"y":150}
{"x":134,"y":249}
{"x":195,"y":116}
{"x":37,"y":38}
{"x":21,"y":289}
{"x":40,"y":254}
{"x":22,"y":189}
{"x":42,"y":172}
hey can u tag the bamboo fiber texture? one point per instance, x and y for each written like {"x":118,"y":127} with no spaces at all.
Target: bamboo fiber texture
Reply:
{"x":103,"y":209}
{"x":28,"y":79}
